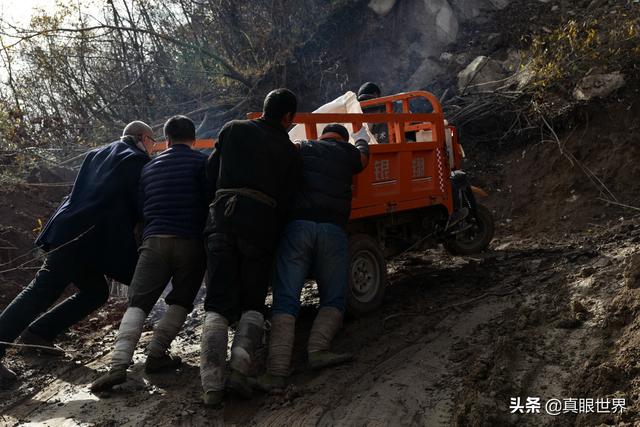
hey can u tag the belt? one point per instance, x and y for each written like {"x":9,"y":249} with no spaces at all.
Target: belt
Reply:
{"x":245,"y":192}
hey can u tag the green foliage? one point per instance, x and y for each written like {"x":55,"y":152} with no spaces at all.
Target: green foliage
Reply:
{"x":563,"y":55}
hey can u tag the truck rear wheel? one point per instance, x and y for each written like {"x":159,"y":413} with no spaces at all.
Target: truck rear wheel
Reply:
{"x":367,"y":275}
{"x":476,"y":238}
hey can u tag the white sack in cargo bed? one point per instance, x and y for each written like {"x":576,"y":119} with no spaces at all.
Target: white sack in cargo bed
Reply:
{"x":347,"y":103}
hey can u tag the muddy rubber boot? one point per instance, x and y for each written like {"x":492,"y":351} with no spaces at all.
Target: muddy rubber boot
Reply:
{"x":213,"y":353}
{"x":163,"y":335}
{"x":166,"y":362}
{"x":29,"y":338}
{"x":238,"y":385}
{"x":325,"y":359}
{"x":7,"y":375}
{"x":213,"y":399}
{"x":247,"y":338}
{"x":269,"y":383}
{"x":280,"y":349}
{"x":115,"y":376}
{"x":325,"y":326}
{"x":126,"y":341}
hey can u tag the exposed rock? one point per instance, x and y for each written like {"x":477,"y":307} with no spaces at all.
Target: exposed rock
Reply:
{"x":471,"y":9}
{"x":483,"y":74}
{"x":598,"y":86}
{"x":595,"y":4}
{"x":425,"y":74}
{"x":632,"y":271}
{"x":447,"y":24}
{"x":446,"y":57}
{"x":514,"y":61}
{"x":382,"y":7}
{"x":499,"y":4}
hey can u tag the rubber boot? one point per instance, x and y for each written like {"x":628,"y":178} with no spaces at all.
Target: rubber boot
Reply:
{"x":30,"y":338}
{"x":325,"y":326}
{"x":280,"y":349}
{"x":248,"y":337}
{"x":126,"y":341}
{"x":163,"y":335}
{"x":7,"y":375}
{"x":213,"y":354}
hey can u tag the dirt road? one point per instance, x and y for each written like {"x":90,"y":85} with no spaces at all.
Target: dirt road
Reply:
{"x":456,"y":339}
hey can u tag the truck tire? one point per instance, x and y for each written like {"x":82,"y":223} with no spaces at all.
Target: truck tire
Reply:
{"x":476,"y":238}
{"x":367,"y":275}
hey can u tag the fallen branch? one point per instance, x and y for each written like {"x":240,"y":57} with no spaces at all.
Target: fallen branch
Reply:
{"x":42,"y":255}
{"x":56,"y":349}
{"x":619,"y":204}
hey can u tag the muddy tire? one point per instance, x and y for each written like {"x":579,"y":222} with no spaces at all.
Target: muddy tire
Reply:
{"x":476,"y":238}
{"x":367,"y":275}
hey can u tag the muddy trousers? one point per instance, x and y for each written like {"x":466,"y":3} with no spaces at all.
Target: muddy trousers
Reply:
{"x":62,"y":267}
{"x":161,"y":259}
{"x":238,"y":278}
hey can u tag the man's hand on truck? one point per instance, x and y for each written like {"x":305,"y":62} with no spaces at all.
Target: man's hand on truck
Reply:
{"x":361,"y":139}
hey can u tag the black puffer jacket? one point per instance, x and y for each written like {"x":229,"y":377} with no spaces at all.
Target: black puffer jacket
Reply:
{"x":328,"y":169}
{"x":255,"y":155}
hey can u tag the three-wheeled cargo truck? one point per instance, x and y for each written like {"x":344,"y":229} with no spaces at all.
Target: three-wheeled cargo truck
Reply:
{"x":413,"y":193}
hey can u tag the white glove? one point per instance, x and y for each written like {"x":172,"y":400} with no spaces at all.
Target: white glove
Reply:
{"x":361,"y":135}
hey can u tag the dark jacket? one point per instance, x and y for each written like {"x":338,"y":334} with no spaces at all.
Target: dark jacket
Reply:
{"x":328,"y":168}
{"x":102,"y":208}
{"x":255,"y":155}
{"x":173,"y":193}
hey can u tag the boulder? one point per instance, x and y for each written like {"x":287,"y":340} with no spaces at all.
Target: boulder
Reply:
{"x":472,"y":9}
{"x":483,"y":74}
{"x":598,"y":86}
{"x":425,"y":74}
{"x":632,"y":271}
{"x":382,"y":7}
{"x":499,"y":4}
{"x":446,"y":24}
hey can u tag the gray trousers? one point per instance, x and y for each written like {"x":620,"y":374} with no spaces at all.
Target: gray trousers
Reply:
{"x":183,"y":261}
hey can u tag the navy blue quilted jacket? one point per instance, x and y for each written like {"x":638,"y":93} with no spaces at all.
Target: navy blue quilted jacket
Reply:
{"x":174,"y":193}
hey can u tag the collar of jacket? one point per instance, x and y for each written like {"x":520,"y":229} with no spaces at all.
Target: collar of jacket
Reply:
{"x":272,"y":123}
{"x":132,"y":142}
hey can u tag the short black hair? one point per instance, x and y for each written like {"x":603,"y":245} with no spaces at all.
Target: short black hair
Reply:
{"x":278,"y":103}
{"x":180,"y":128}
{"x":368,"y":90}
{"x":337,"y":128}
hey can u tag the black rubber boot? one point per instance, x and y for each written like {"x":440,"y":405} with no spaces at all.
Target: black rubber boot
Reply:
{"x":238,"y":384}
{"x":268,"y":383}
{"x":30,"y":338}
{"x":114,"y":377}
{"x":7,"y":375}
{"x":165,"y":362}
{"x":213,"y":399}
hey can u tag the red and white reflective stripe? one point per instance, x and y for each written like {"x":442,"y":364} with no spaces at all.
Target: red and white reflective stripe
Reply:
{"x":440,"y":169}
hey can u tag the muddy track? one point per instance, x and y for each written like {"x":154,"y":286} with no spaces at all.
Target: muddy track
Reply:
{"x":456,"y":338}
